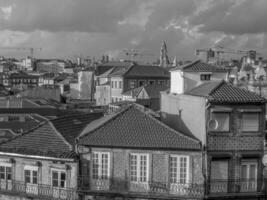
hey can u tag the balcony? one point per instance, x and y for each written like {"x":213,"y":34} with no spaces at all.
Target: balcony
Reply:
{"x":36,"y":190}
{"x":122,"y":187}
{"x":234,"y":186}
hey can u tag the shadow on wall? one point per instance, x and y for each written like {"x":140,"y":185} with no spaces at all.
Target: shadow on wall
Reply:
{"x":175,"y":122}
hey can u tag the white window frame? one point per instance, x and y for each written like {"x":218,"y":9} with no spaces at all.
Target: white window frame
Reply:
{"x":5,"y":165}
{"x":59,"y":171}
{"x":31,"y":169}
{"x":178,"y":170}
{"x":138,"y":167}
{"x":100,"y":165}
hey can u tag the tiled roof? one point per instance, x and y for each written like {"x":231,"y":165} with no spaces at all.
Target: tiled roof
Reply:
{"x":54,"y":138}
{"x":71,"y":126}
{"x":153,"y":91}
{"x":147,"y":71}
{"x":199,"y":66}
{"x":134,"y":128}
{"x":223,"y":92}
{"x":100,"y":69}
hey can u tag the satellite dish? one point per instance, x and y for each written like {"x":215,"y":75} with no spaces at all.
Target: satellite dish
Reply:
{"x":213,"y":124}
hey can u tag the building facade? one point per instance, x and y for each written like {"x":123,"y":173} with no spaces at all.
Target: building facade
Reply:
{"x":231,"y":125}
{"x":132,"y":155}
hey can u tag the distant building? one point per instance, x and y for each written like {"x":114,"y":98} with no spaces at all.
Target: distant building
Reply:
{"x":125,"y":77}
{"x":50,"y":65}
{"x":164,"y":59}
{"x":188,"y":76}
{"x":84,"y":89}
{"x":148,"y":95}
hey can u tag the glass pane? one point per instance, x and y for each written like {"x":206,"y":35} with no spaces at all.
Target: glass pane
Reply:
{"x":62,"y":184}
{"x":2,"y":172}
{"x":250,"y":122}
{"x":252,"y":172}
{"x":244,"y":174}
{"x":223,"y":121}
{"x":133,"y":167}
{"x":8,"y":172}
{"x":173,"y":169}
{"x":55,"y":175}
{"x":183,"y":170}
{"x":63,"y":176}
{"x":219,"y":170}
{"x":55,"y":183}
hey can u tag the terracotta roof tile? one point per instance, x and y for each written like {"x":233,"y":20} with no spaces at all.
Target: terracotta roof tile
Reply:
{"x":52,"y":138}
{"x":223,"y":92}
{"x":133,"y":128}
{"x":199,"y":66}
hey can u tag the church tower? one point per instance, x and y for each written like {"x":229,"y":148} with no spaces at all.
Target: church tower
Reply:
{"x":164,"y":59}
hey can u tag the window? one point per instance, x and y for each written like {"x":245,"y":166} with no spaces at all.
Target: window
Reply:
{"x":151,"y":82}
{"x":179,"y":169}
{"x":219,"y":121}
{"x":120,"y":84}
{"x":132,"y":84}
{"x":115,"y":83}
{"x":250,"y":122}
{"x":205,"y":77}
{"x":248,"y":175}
{"x":13,"y":118}
{"x":30,"y":176}
{"x":112,"y":84}
{"x":161,"y":82}
{"x":58,"y":178}
{"x":139,"y":167}
{"x":141,"y":83}
{"x":100,"y":165}
{"x":219,"y":176}
{"x":5,"y":172}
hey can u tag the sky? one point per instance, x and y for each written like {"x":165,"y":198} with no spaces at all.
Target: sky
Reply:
{"x":69,"y":28}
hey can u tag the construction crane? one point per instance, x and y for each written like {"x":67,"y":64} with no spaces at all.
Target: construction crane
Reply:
{"x":31,"y":49}
{"x":218,"y":51}
{"x":133,"y":53}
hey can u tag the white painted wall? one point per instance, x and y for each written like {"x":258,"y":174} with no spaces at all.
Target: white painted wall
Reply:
{"x":177,"y":82}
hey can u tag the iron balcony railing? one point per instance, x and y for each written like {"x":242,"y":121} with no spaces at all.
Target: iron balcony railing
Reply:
{"x":41,"y":191}
{"x":122,"y":186}
{"x":234,"y":186}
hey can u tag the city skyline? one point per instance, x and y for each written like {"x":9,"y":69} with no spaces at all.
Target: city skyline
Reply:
{"x":67,"y":28}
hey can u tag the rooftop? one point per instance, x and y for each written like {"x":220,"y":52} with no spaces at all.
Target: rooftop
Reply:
{"x":199,"y":66}
{"x":134,"y":128}
{"x":54,"y":138}
{"x":223,"y":92}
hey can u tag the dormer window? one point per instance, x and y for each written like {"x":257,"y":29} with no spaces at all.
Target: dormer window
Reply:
{"x":205,"y":77}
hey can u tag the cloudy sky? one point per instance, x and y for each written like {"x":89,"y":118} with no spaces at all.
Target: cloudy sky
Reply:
{"x":64,"y":28}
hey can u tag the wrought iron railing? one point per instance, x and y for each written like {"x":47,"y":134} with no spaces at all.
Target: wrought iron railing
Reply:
{"x":234,"y":186}
{"x":122,"y":186}
{"x":38,"y":190}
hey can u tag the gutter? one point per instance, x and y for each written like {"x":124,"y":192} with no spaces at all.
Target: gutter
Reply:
{"x":36,"y":157}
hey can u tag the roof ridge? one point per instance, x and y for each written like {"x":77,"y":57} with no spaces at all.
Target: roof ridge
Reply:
{"x":131,"y":66}
{"x":60,"y":135}
{"x":189,"y":64}
{"x":108,"y":121}
{"x":166,"y":126}
{"x":217,"y":86}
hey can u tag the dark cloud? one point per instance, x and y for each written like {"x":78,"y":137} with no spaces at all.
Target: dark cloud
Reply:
{"x":67,"y":15}
{"x":233,"y":17}
{"x":94,"y":27}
